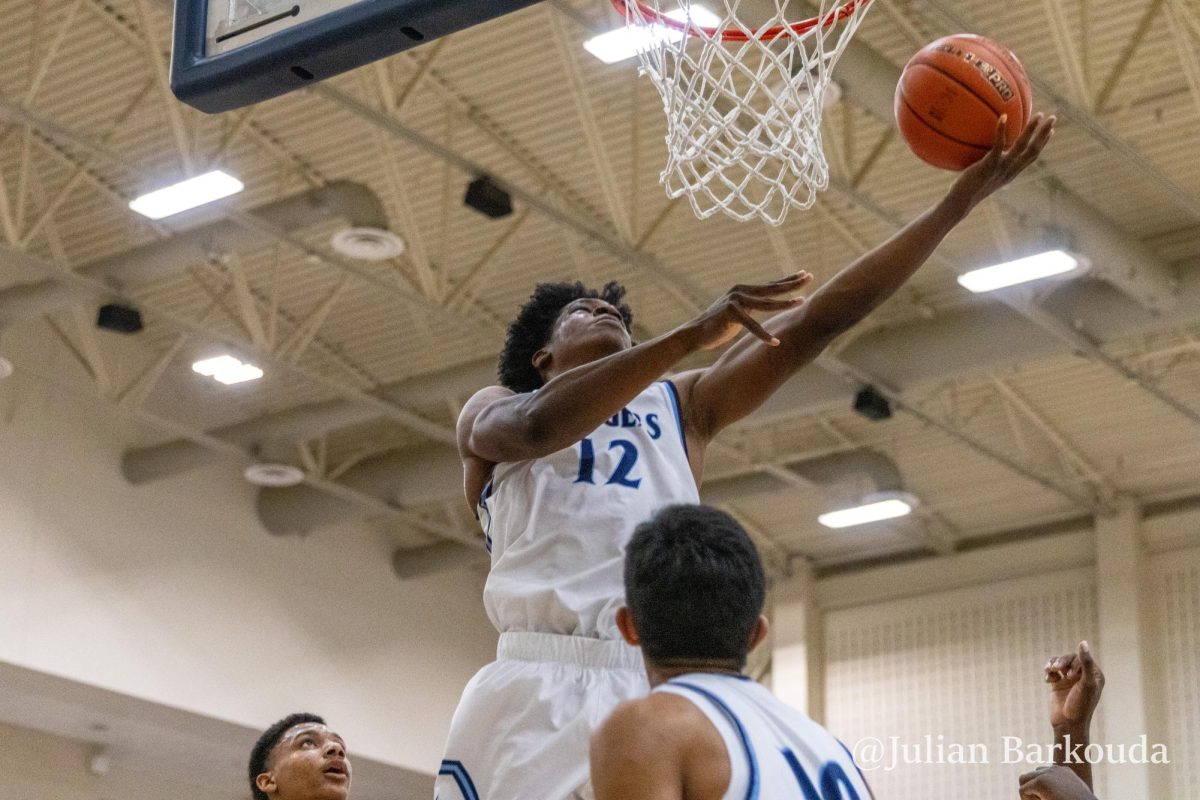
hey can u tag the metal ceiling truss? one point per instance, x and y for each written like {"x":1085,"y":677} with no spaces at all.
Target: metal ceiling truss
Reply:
{"x":681,"y":289}
{"x":588,"y":226}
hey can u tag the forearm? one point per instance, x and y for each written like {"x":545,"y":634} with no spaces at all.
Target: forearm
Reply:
{"x":1070,"y":744}
{"x":865,"y":284}
{"x":571,"y":405}
{"x":748,"y":373}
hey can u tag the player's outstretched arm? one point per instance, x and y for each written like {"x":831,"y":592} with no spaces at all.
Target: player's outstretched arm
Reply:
{"x":747,"y":374}
{"x":1076,"y":683}
{"x":498,"y":425}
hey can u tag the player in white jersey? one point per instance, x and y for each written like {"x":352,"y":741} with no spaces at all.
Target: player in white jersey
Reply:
{"x":580,"y":441}
{"x":695,"y":587}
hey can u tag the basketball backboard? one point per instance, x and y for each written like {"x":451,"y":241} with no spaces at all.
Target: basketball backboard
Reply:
{"x":232,"y":53}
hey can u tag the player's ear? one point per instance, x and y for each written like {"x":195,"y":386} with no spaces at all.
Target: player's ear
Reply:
{"x":760,"y":631}
{"x":266,"y":783}
{"x":626,"y":627}
{"x":541,"y":359}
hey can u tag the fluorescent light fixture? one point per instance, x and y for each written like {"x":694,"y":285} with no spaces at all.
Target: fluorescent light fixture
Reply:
{"x":1030,"y":268}
{"x":624,"y":43}
{"x":187,"y":194}
{"x":873,"y":509}
{"x":227,"y":370}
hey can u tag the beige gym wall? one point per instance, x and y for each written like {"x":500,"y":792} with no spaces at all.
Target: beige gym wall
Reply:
{"x":172,"y":593}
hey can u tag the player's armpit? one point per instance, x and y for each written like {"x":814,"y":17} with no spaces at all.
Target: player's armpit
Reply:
{"x":636,"y":755}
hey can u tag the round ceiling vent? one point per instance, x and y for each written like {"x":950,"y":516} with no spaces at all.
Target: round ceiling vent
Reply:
{"x":274,"y":475}
{"x":368,"y":244}
{"x":6,"y":368}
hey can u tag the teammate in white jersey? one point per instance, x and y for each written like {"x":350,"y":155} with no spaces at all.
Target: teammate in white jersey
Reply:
{"x":580,"y":442}
{"x":695,"y":588}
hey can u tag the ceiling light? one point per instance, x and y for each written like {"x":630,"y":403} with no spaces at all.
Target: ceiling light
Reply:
{"x":1010,"y":273}
{"x":368,"y":244}
{"x":274,"y":475}
{"x":187,"y":194}
{"x":624,"y":43}
{"x":6,"y":368}
{"x":227,"y":370}
{"x":874,"y":508}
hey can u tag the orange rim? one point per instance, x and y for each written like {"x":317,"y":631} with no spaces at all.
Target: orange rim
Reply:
{"x":690,"y":28}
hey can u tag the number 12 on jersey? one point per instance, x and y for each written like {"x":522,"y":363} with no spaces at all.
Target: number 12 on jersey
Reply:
{"x":621,"y":475}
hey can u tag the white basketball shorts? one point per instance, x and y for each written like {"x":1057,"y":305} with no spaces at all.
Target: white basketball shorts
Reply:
{"x":523,"y":726}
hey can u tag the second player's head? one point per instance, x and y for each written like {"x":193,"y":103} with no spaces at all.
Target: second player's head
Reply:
{"x":299,"y":758}
{"x":562,"y":326}
{"x":695,"y":588}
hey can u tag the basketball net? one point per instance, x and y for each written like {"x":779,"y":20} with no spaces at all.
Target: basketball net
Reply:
{"x":743,"y":103}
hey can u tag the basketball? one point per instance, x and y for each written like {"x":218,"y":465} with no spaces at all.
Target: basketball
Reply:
{"x":951,"y":94}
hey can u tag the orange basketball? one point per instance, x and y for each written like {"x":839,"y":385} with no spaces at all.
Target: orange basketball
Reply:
{"x":950,"y":95}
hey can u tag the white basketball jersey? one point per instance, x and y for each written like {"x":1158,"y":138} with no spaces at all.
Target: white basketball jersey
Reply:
{"x":557,"y":526}
{"x":774,"y":750}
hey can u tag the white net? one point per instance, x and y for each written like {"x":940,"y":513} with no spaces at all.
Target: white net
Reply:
{"x":743,"y":97}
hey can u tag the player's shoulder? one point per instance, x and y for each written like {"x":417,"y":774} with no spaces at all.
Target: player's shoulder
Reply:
{"x":662,"y":723}
{"x":481,"y":400}
{"x":489,"y":394}
{"x":660,"y":718}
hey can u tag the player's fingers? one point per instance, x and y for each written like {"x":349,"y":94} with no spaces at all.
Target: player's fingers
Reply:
{"x":798,"y":275}
{"x":766,"y":303}
{"x":1025,"y":151}
{"x":789,"y":283}
{"x":1033,"y":148}
{"x":1058,"y":668}
{"x":1031,"y":128}
{"x":751,"y":324}
{"x":1029,"y":776}
{"x":997,"y":150}
{"x":1045,"y":132}
{"x":1092,"y":675}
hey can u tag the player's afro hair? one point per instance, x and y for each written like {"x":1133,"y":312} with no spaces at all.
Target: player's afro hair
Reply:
{"x":266,"y":743}
{"x":530,"y":331}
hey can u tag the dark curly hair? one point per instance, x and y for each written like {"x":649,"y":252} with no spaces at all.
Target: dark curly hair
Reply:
{"x":266,"y":743}
{"x":534,"y":324}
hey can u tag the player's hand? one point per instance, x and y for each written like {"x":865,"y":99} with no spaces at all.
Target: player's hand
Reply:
{"x":725,"y":318}
{"x":1000,"y":166}
{"x":1075,"y":686}
{"x":1054,"y":783}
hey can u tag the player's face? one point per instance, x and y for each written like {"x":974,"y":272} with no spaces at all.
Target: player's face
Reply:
{"x":592,"y":322}
{"x":309,"y":763}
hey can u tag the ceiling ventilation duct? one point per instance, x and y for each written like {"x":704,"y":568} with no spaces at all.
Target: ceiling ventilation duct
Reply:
{"x":843,"y":477}
{"x":408,"y":478}
{"x":144,"y":464}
